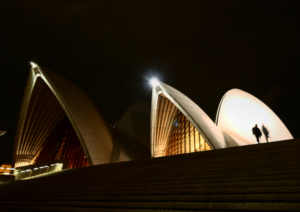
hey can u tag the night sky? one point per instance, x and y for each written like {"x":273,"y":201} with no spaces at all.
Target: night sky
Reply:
{"x":109,"y":47}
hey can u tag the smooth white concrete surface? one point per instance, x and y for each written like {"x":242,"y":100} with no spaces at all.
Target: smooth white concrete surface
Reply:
{"x":238,"y":113}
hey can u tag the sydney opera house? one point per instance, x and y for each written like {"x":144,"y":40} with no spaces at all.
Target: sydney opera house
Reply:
{"x":60,"y":127}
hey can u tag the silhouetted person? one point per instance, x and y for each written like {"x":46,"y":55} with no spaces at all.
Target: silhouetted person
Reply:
{"x":266,"y":132}
{"x":256,"y":131}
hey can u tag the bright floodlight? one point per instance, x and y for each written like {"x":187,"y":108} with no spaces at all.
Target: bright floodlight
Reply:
{"x":154,"y":82}
{"x":33,"y":64}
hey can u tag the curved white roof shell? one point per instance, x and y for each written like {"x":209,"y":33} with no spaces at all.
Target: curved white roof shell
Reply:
{"x":192,"y":111}
{"x":238,"y":113}
{"x":89,"y":125}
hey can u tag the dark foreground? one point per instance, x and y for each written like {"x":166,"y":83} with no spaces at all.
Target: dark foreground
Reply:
{"x":263,"y":177}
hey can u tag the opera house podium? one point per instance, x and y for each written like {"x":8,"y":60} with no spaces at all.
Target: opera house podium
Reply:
{"x":261,"y":177}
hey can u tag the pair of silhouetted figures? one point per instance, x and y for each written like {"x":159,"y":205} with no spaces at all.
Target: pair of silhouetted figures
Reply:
{"x":256,"y":131}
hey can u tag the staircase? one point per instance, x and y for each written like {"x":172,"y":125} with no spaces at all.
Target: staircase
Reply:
{"x":264,"y":177}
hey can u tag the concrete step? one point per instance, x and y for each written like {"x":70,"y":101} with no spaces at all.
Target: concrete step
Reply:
{"x":216,"y":183}
{"x":16,"y":208}
{"x":32,"y":188}
{"x":204,"y":168}
{"x":155,"y":162}
{"x":123,"y":188}
{"x":226,"y":182}
{"x":205,"y":162}
{"x":59,"y":185}
{"x":183,"y":176}
{"x":252,"y":206}
{"x":286,"y":197}
{"x":192,"y":170}
{"x":254,"y":178}
{"x":175,"y":190}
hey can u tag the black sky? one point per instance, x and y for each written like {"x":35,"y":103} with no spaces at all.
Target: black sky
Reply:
{"x":107,"y":48}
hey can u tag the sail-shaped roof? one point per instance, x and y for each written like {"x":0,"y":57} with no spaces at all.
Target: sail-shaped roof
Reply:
{"x":238,"y":113}
{"x":199,"y":119}
{"x":87,"y":122}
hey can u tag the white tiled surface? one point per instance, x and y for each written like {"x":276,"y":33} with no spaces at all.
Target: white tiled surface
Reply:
{"x":240,"y":111}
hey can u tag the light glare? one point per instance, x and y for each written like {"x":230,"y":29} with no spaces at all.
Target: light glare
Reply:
{"x":154,"y":82}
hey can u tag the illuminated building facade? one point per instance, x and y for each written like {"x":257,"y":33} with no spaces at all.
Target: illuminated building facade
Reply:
{"x":239,"y":111}
{"x":180,"y":126}
{"x":175,"y":134}
{"x":60,"y":127}
{"x":6,"y":169}
{"x":53,"y":124}
{"x":59,"y":122}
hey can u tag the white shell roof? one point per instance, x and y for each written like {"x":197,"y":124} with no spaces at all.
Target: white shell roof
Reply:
{"x":193,"y":112}
{"x":89,"y":125}
{"x":238,"y":113}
